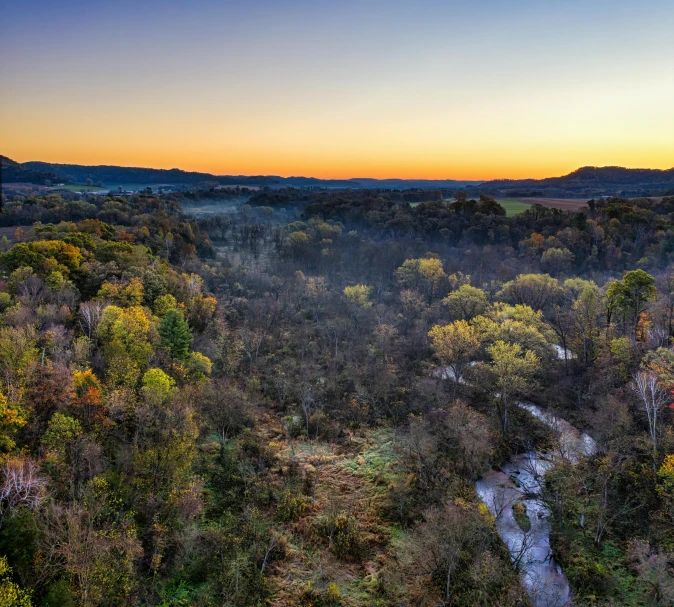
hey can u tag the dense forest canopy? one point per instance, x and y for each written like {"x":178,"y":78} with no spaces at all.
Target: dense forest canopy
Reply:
{"x":290,"y":403}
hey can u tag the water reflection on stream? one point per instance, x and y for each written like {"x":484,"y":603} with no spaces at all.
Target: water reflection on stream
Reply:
{"x":520,"y":480}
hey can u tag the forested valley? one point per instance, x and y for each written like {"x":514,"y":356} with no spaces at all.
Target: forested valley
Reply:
{"x":290,"y":400}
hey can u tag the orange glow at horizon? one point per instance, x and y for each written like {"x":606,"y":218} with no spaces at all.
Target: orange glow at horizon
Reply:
{"x":468,"y":165}
{"x":515,"y":137}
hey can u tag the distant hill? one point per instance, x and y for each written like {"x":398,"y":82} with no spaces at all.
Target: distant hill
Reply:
{"x":15,"y":172}
{"x":112,"y":175}
{"x":586,"y":182}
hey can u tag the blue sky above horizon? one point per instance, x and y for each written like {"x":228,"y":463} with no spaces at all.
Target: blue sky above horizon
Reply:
{"x":430,"y":89}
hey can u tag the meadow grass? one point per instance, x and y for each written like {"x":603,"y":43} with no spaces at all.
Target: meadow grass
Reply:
{"x":513,"y":207}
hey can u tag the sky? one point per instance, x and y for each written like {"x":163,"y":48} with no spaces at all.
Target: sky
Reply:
{"x":435,"y":89}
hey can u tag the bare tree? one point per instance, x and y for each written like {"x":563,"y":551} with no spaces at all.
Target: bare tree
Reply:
{"x":21,"y":485}
{"x":307,"y":403}
{"x":90,"y":315}
{"x":653,"y":398}
{"x":251,"y":341}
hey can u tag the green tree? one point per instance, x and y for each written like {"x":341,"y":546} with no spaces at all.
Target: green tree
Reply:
{"x":164,"y":304}
{"x":157,"y":386}
{"x":586,"y":312}
{"x":124,"y":334}
{"x":513,"y":369}
{"x":629,"y":297}
{"x":466,"y":302}
{"x":175,"y":335}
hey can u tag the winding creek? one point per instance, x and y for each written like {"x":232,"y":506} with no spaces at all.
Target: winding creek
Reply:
{"x":519,"y":480}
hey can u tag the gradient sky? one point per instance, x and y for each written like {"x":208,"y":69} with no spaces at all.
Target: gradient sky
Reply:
{"x":428,"y":89}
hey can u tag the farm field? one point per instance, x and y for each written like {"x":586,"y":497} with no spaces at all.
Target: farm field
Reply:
{"x":513,"y":207}
{"x":566,"y":204}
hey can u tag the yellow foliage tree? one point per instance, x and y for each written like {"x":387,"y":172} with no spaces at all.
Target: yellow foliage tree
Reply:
{"x":125,"y":336}
{"x":513,"y":368}
{"x":11,"y":419}
{"x":426,"y":274}
{"x":359,"y":294}
{"x":11,"y":595}
{"x":455,"y":345}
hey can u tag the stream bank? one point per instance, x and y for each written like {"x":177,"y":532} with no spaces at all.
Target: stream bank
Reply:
{"x":520,"y":481}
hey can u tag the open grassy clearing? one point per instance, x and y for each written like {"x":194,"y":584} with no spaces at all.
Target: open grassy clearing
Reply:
{"x":565,"y":204}
{"x":352,"y":484}
{"x":513,"y":207}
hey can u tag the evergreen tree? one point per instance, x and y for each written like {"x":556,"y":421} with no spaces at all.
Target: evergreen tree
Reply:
{"x":175,"y":335}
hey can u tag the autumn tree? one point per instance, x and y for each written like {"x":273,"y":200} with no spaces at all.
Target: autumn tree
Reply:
{"x":586,"y":313}
{"x":425,"y":275}
{"x":466,"y":302}
{"x":124,"y":334}
{"x":455,"y":345}
{"x":12,"y":417}
{"x":359,"y":295}
{"x":629,"y":297}
{"x":513,"y":369}
{"x":11,"y":594}
{"x":537,"y":291}
{"x":96,"y":550}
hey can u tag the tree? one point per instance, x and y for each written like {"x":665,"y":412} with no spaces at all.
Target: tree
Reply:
{"x":455,"y":345}
{"x":124,"y":334}
{"x":654,"y":570}
{"x":556,"y":260}
{"x":44,"y":257}
{"x":157,"y":386}
{"x":17,"y":352}
{"x":466,"y":302}
{"x":21,"y":486}
{"x":164,"y":304}
{"x":175,"y":334}
{"x":444,"y":541}
{"x":93,"y":546}
{"x":535,"y":290}
{"x":629,"y":296}
{"x":11,"y":595}
{"x":513,"y":369}
{"x":91,"y":313}
{"x":359,"y":295}
{"x":653,"y":398}
{"x":11,"y":419}
{"x":425,"y":274}
{"x":201,"y":311}
{"x":514,"y":324}
{"x":586,"y":312}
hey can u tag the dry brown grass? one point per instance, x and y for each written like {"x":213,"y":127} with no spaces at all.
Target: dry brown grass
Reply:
{"x":345,"y":484}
